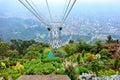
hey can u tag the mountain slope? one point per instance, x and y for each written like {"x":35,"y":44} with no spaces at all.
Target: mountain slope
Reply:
{"x":20,"y":29}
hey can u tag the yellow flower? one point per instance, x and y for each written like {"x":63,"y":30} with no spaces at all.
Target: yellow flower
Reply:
{"x":18,"y":66}
{"x":3,"y":64}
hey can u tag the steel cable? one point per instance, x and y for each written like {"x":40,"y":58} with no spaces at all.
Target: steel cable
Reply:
{"x":49,"y":10}
{"x":69,"y":11}
{"x":34,"y":13}
{"x":38,"y":10}
{"x":66,"y":9}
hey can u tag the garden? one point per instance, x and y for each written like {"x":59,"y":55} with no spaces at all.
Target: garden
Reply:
{"x":28,"y":57}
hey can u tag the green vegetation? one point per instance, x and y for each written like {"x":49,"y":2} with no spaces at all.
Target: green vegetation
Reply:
{"x":30,"y":58}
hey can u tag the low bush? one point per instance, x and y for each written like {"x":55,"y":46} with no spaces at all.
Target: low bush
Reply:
{"x":59,"y":68}
{"x":106,"y":72}
{"x":32,"y":55}
{"x":73,"y":74}
{"x":10,"y":73}
{"x":37,"y":67}
{"x":55,"y":59}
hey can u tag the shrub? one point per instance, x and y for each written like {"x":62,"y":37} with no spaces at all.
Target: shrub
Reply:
{"x":12,"y":54}
{"x":59,"y":68}
{"x":37,"y":67}
{"x":117,"y":62}
{"x":96,"y":65}
{"x":46,"y":68}
{"x":30,"y":65}
{"x":106,"y":72}
{"x":98,"y":46}
{"x":73,"y":74}
{"x":60,"y":71}
{"x":104,"y":53}
{"x":10,"y":73}
{"x":2,"y":65}
{"x":18,"y":67}
{"x":83,"y":70}
{"x":35,"y":47}
{"x":45,"y":52}
{"x":32,"y":55}
{"x":82,"y":45}
{"x":6,"y":61}
{"x":73,"y":58}
{"x":54,"y":59}
{"x":4,"y":47}
{"x":70,"y":49}
{"x":90,"y":57}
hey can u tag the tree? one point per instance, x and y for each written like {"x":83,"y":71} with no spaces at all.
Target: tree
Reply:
{"x":105,"y":53}
{"x":109,"y":39}
{"x":117,"y":62}
{"x":70,"y":48}
{"x":82,"y":45}
{"x":98,"y":46}
{"x":12,"y":54}
{"x":96,"y":65}
{"x":32,"y":55}
{"x":35,"y":47}
{"x":1,"y":39}
{"x":21,"y":45}
{"x":71,"y":41}
{"x":4,"y":47}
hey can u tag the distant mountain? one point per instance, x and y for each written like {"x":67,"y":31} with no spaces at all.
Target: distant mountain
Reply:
{"x":26,"y":29}
{"x":89,"y":29}
{"x":17,"y":28}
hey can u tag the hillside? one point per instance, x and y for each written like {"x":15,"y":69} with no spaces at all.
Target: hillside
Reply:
{"x":89,"y":29}
{"x":17,"y":28}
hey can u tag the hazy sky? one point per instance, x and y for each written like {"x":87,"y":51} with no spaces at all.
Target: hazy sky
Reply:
{"x":10,"y":8}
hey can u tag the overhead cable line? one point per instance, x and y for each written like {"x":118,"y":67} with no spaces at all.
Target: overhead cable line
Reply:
{"x":33,"y":11}
{"x":66,"y":9}
{"x":49,"y":9}
{"x":37,"y":9}
{"x":69,"y":11}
